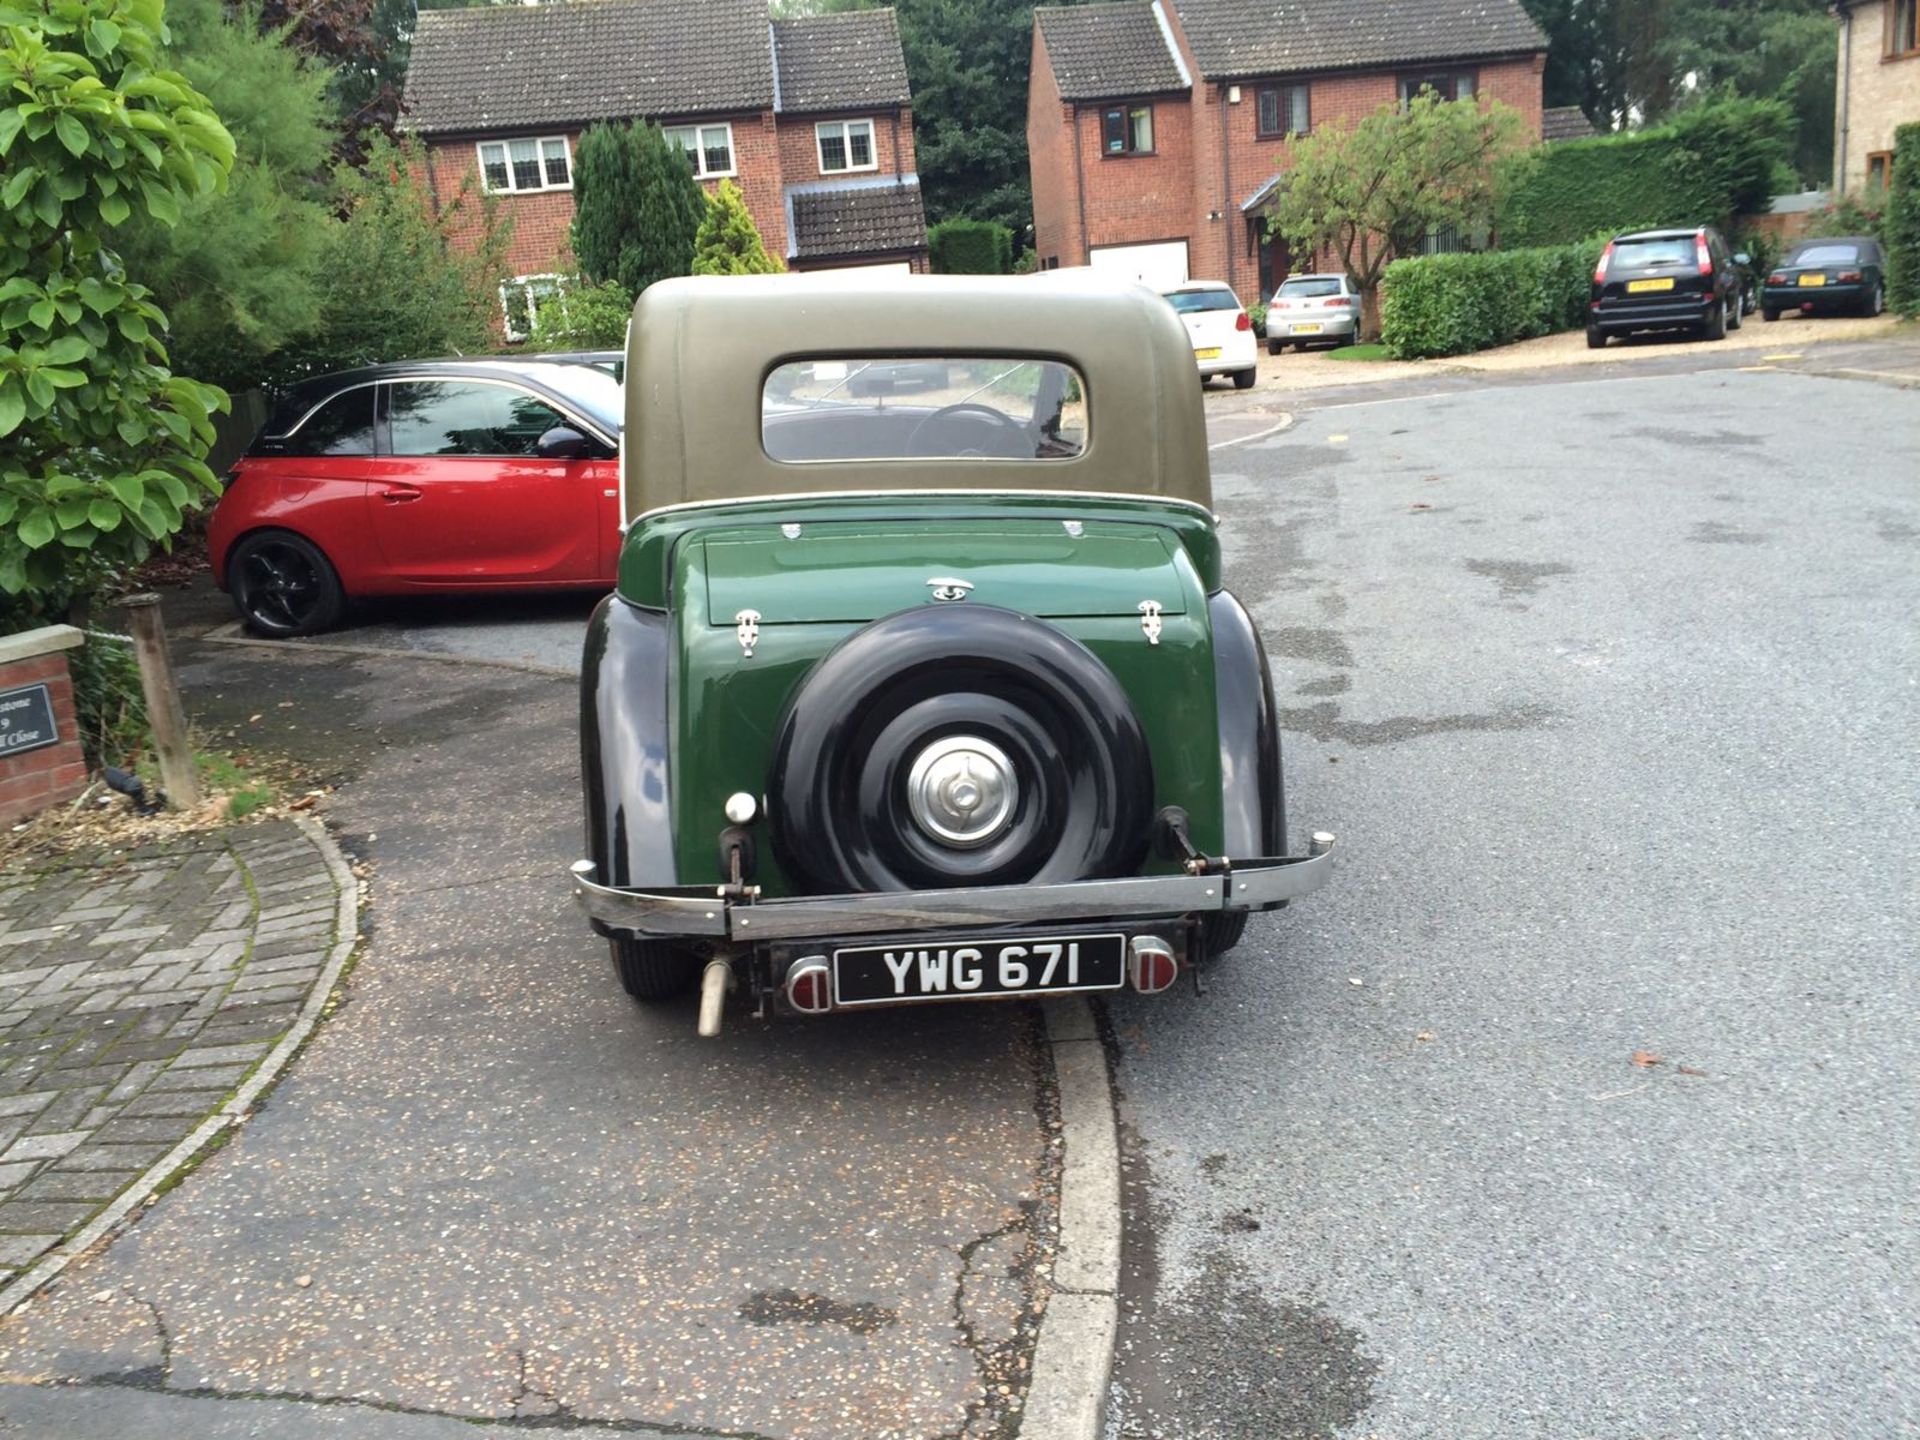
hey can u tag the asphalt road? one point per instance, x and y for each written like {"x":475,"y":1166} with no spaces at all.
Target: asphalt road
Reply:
{"x":1586,"y":1102}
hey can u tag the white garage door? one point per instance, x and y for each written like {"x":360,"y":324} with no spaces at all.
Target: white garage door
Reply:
{"x":1161,"y":265}
{"x":863,"y":272}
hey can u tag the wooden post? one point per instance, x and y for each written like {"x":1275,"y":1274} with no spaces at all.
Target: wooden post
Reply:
{"x":169,"y":721}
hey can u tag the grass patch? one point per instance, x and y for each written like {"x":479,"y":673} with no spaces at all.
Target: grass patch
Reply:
{"x":223,"y":777}
{"x":1361,"y":352}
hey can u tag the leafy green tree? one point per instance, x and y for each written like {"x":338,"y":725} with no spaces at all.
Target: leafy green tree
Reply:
{"x":392,"y":282}
{"x":104,"y":446}
{"x":1372,"y":192}
{"x":727,"y":242}
{"x":636,"y":206}
{"x":237,"y":276}
{"x":1901,"y":228}
{"x":582,"y":317}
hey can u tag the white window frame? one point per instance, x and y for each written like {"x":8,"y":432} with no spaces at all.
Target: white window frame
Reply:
{"x":534,"y":288}
{"x":540,"y":143}
{"x":825,"y":128}
{"x":698,"y":153}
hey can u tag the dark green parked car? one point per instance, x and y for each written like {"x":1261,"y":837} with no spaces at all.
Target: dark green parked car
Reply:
{"x":920,"y":681}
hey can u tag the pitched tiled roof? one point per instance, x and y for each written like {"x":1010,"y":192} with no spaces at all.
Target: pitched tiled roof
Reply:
{"x":1245,"y":38}
{"x":850,"y":61}
{"x":857,"y":218}
{"x":492,"y":67}
{"x":1104,"y":52}
{"x":1565,"y":122}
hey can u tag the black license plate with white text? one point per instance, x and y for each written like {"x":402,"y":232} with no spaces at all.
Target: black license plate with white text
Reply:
{"x":945,"y":969}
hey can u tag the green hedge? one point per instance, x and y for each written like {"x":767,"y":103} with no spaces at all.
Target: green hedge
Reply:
{"x":1718,"y":159}
{"x":970,"y":247}
{"x":1900,"y":231}
{"x":1436,"y":305}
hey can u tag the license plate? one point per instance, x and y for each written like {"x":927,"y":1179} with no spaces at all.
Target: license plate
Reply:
{"x":1813,"y":279}
{"x":969,"y":969}
{"x":1642,"y":287}
{"x":1212,"y":352}
{"x":1306,"y":329}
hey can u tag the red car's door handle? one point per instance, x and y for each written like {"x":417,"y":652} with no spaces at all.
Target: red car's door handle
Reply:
{"x":398,"y":494}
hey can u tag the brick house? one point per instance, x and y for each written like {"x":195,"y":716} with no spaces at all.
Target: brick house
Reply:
{"x":1157,"y":129}
{"x":811,"y":118}
{"x":1878,"y":91}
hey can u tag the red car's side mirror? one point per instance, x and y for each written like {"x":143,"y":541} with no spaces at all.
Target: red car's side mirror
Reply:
{"x":563,"y":442}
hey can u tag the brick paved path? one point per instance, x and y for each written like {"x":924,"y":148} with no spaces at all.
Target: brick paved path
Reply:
{"x":136,"y":993}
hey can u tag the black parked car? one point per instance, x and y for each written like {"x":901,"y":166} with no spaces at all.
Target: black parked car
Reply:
{"x":1667,"y":280}
{"x":1833,"y":277}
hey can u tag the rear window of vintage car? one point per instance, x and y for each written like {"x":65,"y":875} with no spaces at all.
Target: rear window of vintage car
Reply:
{"x":923,"y":408}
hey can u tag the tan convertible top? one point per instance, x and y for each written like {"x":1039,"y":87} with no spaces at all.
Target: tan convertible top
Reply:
{"x":700,"y":350}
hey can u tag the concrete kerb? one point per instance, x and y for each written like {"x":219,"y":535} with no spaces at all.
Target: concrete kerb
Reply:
{"x":1073,"y":1357}
{"x":234,"y":633}
{"x":1284,"y":422}
{"x":346,"y":935}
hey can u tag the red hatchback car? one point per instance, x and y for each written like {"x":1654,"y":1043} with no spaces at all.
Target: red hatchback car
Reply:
{"x":413,"y":478}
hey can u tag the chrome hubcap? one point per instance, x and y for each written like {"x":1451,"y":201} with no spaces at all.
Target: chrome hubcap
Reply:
{"x":961,"y":790}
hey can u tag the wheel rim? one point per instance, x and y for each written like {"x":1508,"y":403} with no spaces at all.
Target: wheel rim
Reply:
{"x":280,"y":587}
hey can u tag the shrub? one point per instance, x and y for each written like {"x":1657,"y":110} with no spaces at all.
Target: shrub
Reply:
{"x":728,"y":242}
{"x":970,"y":247}
{"x":1847,"y":215}
{"x":1454,"y":304}
{"x":1901,"y":233}
{"x":579,"y":316}
{"x":636,"y":206}
{"x":1716,"y":159}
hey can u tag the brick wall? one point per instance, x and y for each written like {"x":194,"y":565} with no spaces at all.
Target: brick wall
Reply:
{"x":1882,"y":93}
{"x":1131,"y":199}
{"x":1056,"y":214}
{"x":33,"y":781}
{"x":800,"y":158}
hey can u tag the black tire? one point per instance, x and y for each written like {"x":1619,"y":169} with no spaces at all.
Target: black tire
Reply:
{"x":844,"y":749}
{"x":283,"y":585}
{"x":1768,"y":313}
{"x":1220,"y":932}
{"x":1596,"y":338}
{"x":1243,"y":379}
{"x":1875,"y":303}
{"x":1714,"y":327}
{"x":653,"y":969}
{"x":1734,"y":314}
{"x":1274,"y":347}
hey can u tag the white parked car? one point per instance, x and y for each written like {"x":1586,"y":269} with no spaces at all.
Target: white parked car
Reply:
{"x":1312,"y":309}
{"x":1222,"y":332}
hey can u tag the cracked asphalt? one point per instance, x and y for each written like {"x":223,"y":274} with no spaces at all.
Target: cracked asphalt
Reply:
{"x":1585,"y":1102}
{"x":494,"y":1189}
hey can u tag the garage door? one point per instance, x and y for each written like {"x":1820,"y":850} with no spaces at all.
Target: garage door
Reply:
{"x":863,"y":272}
{"x":1161,"y":265}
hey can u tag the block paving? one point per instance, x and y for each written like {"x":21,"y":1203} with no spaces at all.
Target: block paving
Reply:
{"x":136,"y":992}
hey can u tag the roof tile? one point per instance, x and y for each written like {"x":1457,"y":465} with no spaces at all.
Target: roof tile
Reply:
{"x":1233,"y":39}
{"x":1106,"y":51}
{"x":861,"y":218}
{"x":850,"y":61}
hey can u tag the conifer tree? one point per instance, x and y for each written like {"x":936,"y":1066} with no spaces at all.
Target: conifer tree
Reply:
{"x":728,"y":243}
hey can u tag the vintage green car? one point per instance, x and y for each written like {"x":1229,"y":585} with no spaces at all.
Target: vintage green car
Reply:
{"x":920,"y":682}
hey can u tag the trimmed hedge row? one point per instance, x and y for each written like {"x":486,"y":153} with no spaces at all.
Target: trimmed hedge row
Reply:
{"x":1434,"y":305}
{"x":1900,"y":231}
{"x":970,"y":247}
{"x":1708,"y":163}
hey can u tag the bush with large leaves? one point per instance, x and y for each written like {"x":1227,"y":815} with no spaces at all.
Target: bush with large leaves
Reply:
{"x":104,"y":448}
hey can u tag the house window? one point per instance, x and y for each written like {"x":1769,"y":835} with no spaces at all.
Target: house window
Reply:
{"x":1281,"y":111}
{"x":1879,"y":169}
{"x":520,"y":300}
{"x":709,"y":147}
{"x":511,"y":166}
{"x":1447,"y":84}
{"x":1127,"y":130}
{"x":1903,"y":27}
{"x":845,"y":145}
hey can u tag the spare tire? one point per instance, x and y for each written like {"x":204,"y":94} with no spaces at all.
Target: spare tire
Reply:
{"x":959,"y":745}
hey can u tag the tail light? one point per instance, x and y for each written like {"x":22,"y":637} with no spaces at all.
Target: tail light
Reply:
{"x":1151,"y":967}
{"x":1701,"y":253}
{"x":1600,"y":270}
{"x":810,"y":985}
{"x":1339,"y":302}
{"x":1776,"y":278}
{"x":1243,"y":321}
{"x":1848,"y":276}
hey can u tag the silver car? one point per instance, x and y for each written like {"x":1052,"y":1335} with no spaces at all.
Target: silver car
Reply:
{"x":1312,"y":310}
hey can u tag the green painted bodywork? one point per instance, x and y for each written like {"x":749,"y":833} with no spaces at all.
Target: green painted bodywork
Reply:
{"x":860,"y":557}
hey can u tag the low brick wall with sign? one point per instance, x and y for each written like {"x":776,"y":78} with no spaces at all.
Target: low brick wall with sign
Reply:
{"x":40,"y":759}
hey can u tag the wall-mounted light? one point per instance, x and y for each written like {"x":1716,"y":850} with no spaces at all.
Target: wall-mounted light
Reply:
{"x":1233,"y":94}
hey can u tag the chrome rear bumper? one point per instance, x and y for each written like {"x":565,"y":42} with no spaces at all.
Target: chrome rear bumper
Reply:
{"x":705,"y":912}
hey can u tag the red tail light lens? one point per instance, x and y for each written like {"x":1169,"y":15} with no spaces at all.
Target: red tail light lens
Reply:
{"x":1776,"y":278}
{"x":810,"y":986}
{"x":1600,"y":270}
{"x":1244,"y":322}
{"x":1702,"y":254}
{"x":1339,"y":302}
{"x":1150,"y":964}
{"x":1848,"y":276}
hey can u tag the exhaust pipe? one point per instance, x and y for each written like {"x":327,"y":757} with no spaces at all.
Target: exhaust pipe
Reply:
{"x":715,"y":981}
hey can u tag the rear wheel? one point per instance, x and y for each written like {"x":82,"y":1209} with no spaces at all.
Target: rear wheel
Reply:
{"x":1243,"y":379}
{"x":1875,"y":302}
{"x":1221,"y":931}
{"x":653,"y":969}
{"x":1274,"y":347}
{"x":1596,"y":338}
{"x":1767,"y":312}
{"x":1715,"y":325}
{"x":1734,"y":313}
{"x":283,"y":585}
